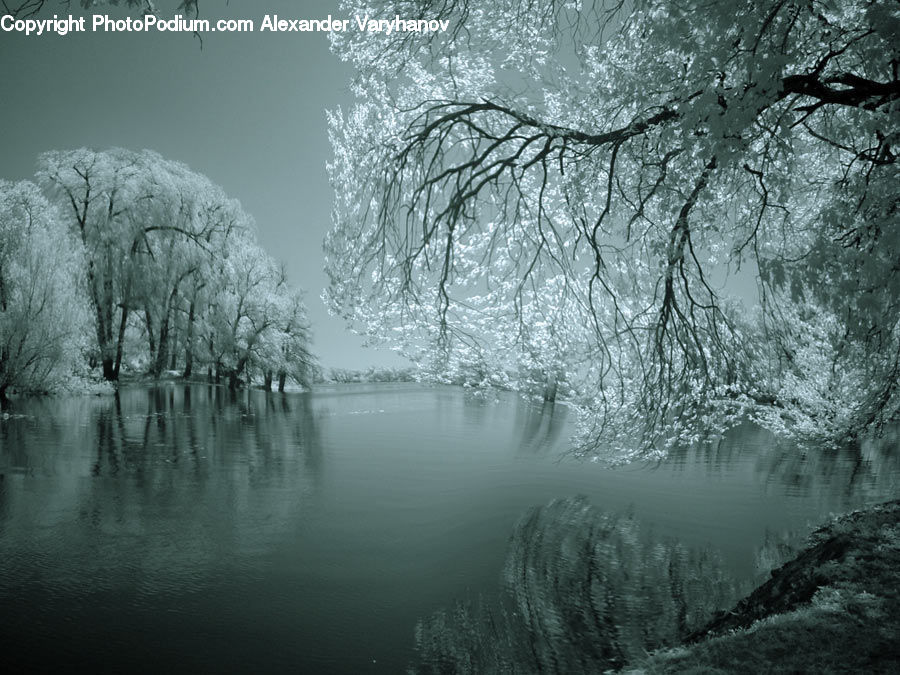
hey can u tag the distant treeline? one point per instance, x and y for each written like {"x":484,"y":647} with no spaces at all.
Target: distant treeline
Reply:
{"x":372,"y":374}
{"x":530,"y":382}
{"x":115,"y":261}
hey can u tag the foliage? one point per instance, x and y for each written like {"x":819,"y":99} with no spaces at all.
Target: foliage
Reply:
{"x":172,"y":265}
{"x":371,"y":374}
{"x":682,"y":220}
{"x":43,"y":310}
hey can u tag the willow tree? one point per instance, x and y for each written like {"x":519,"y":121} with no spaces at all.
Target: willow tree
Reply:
{"x":171,"y":260}
{"x":122,"y":204}
{"x":43,"y":307}
{"x":711,"y":188}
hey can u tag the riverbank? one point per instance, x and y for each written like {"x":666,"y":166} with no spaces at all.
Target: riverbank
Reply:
{"x":834,"y":608}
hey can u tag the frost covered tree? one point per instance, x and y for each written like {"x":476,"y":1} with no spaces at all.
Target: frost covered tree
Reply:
{"x":121,"y":203}
{"x":701,"y":200}
{"x":170,"y":258}
{"x":287,"y":353}
{"x":246,"y":306}
{"x":43,"y":310}
{"x":250,"y":317}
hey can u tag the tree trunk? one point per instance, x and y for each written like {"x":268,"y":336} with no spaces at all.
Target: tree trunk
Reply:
{"x":282,"y":376}
{"x":107,"y":310}
{"x":189,"y":344}
{"x":104,"y":340}
{"x":120,"y":341}
{"x":267,"y":381}
{"x":109,"y":368}
{"x":97,"y":300}
{"x":162,"y":355}
{"x":173,"y":359}
{"x":238,"y":369}
{"x":151,"y":339}
{"x":162,"y":349}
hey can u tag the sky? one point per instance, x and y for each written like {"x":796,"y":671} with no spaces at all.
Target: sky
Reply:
{"x":247,"y":110}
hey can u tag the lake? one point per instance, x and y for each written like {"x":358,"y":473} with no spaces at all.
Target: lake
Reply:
{"x":189,"y":528}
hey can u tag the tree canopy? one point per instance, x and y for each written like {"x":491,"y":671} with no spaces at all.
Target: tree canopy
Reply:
{"x":128,"y":259}
{"x":43,"y":310}
{"x":681,"y":213}
{"x":169,"y":255}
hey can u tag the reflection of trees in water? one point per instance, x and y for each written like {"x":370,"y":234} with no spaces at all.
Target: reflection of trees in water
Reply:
{"x":777,"y":548}
{"x":846,"y":476}
{"x":540,"y":423}
{"x":42,"y":433}
{"x":190,"y":424}
{"x":14,"y":435}
{"x":133,"y":477}
{"x":722,"y":452}
{"x":583,"y":591}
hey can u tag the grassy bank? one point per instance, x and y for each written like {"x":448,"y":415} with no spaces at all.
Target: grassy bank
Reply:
{"x":833,"y":608}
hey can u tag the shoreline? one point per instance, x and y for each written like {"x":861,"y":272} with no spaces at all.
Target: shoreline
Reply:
{"x":834,"y":607}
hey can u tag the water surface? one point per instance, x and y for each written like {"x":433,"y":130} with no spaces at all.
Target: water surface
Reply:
{"x":189,"y":528}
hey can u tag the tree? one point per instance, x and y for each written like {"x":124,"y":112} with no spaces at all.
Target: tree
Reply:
{"x":189,"y":212}
{"x":254,"y":318}
{"x":219,"y":218}
{"x":118,"y":202}
{"x":164,"y":262}
{"x":167,"y":247}
{"x":659,"y":161}
{"x":286,"y":350}
{"x":43,"y":311}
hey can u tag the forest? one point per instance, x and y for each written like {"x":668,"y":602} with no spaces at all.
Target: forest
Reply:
{"x":119,"y":261}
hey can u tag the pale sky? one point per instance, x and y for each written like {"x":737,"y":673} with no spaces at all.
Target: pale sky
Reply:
{"x":248,"y":111}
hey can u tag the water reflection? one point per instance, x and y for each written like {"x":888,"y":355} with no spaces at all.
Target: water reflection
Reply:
{"x":148,"y":433}
{"x":778,"y":547}
{"x":250,"y":531}
{"x":863,"y":470}
{"x":856,"y":473}
{"x":123,"y":463}
{"x":583,"y":591}
{"x":124,"y":520}
{"x":541,"y":424}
